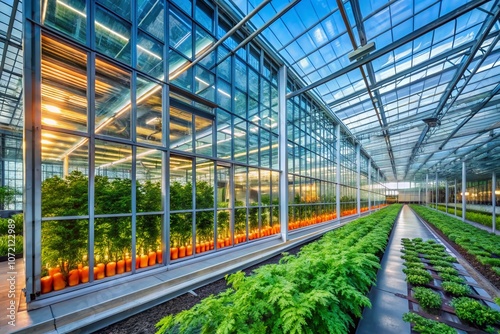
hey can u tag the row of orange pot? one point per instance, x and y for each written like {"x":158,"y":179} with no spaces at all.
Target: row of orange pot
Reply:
{"x":179,"y":252}
{"x":311,"y":221}
{"x":55,"y":280}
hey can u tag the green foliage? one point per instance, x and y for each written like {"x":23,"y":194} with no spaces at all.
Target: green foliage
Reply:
{"x":417,"y":271}
{"x":320,"y":290}
{"x":418,"y":279}
{"x":441,"y":263}
{"x":411,"y":258}
{"x":428,"y":299}
{"x":418,"y":265}
{"x":427,"y":326}
{"x":483,"y":245}
{"x":409,"y":253}
{"x":472,"y":311}
{"x":456,"y":289}
{"x":18,"y":222}
{"x":64,"y":241}
{"x":7,"y":196}
{"x":446,"y":270}
{"x":4,"y":245}
{"x":452,"y":278}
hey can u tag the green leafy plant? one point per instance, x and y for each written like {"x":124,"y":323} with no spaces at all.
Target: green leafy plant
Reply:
{"x":409,"y":253}
{"x":427,"y":326}
{"x":418,"y":279}
{"x":452,"y":278}
{"x":472,"y":311}
{"x":441,"y":263}
{"x":411,"y":258}
{"x":427,"y":299}
{"x":416,"y":265}
{"x":7,"y":196}
{"x":417,"y":271}
{"x":446,"y":270}
{"x":4,"y":245}
{"x":483,"y":245}
{"x":456,"y":289}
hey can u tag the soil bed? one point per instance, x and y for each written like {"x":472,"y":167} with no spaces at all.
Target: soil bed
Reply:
{"x":486,"y":271}
{"x":145,"y":322}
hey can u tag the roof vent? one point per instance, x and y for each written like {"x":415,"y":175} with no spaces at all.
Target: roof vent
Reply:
{"x":432,"y":122}
{"x":361,"y":51}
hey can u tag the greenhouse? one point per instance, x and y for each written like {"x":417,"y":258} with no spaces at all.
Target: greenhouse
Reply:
{"x":150,"y":148}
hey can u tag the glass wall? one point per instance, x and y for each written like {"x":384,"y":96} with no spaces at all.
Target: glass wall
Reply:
{"x":155,"y":147}
{"x":150,"y":144}
{"x":311,"y":163}
{"x":348,"y":176}
{"x":11,"y":171}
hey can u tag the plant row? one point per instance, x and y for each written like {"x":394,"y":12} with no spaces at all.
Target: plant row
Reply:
{"x":484,"y":246}
{"x":321,"y":290}
{"x":468,"y":310}
{"x":482,"y":218}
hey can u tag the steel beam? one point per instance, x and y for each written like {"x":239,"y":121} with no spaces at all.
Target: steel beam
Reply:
{"x":240,"y":24}
{"x":257,"y":32}
{"x":472,"y":114}
{"x":396,"y":44}
{"x":485,"y":29}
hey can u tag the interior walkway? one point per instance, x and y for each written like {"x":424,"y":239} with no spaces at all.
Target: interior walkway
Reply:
{"x":387,"y":310}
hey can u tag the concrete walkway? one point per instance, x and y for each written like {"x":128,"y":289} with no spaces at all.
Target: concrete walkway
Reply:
{"x":387,"y":310}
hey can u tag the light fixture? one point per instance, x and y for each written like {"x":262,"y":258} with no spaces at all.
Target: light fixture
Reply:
{"x":361,"y":51}
{"x":49,"y":121}
{"x":53,"y":109}
{"x":432,"y":121}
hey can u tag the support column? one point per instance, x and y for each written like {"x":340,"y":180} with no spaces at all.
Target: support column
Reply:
{"x":437,"y":190}
{"x":455,"y":186}
{"x":358,"y":179}
{"x":426,"y":190}
{"x":464,"y":188}
{"x":32,"y":148}
{"x":337,"y":194}
{"x":283,"y":154}
{"x":419,"y":192}
{"x":493,"y":202}
{"x":446,"y":194}
{"x":370,"y":184}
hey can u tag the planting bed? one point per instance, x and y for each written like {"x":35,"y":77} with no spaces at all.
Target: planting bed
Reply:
{"x":323,"y":289}
{"x":480,"y":248}
{"x":443,"y":298}
{"x":145,"y":322}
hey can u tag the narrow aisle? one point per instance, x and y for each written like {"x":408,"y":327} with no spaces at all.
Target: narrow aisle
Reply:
{"x":385,"y":316}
